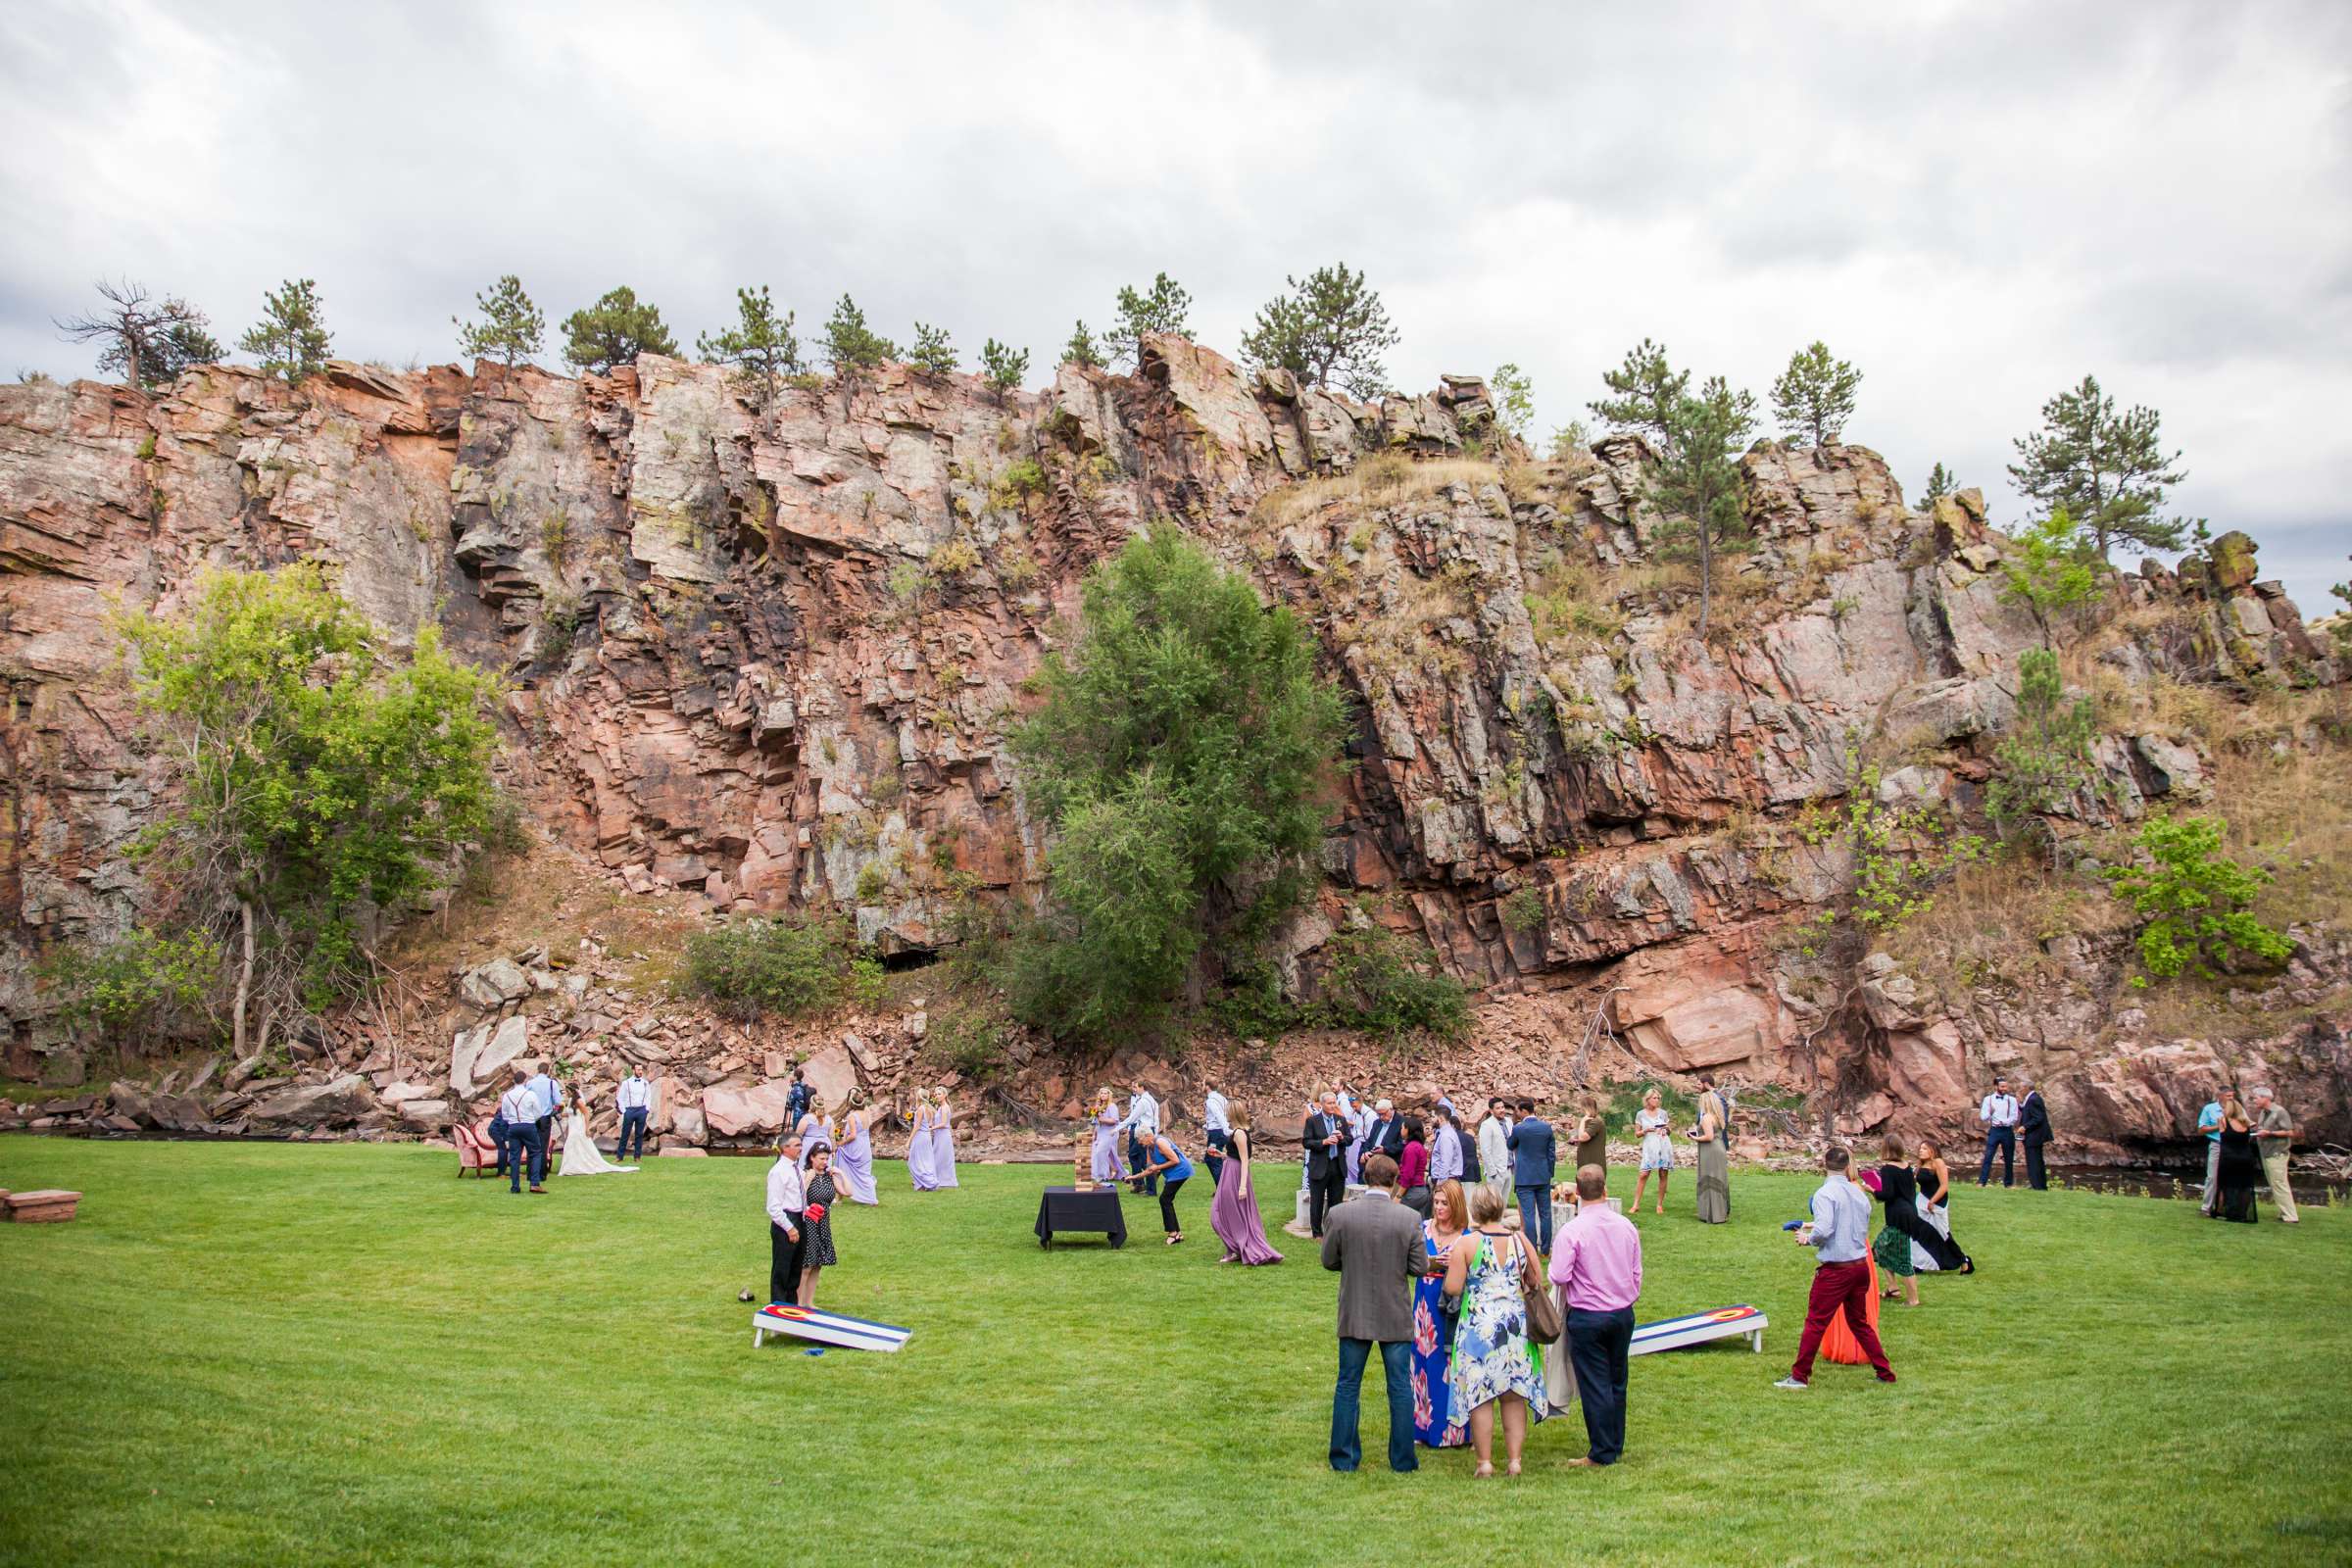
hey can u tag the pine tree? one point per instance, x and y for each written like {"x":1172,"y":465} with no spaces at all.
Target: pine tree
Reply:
{"x":1003,"y":368}
{"x":2108,"y":471}
{"x":1082,"y":350}
{"x":613,"y":332}
{"x":1940,"y":485}
{"x":512,"y":328}
{"x":934,"y":351}
{"x":1514,"y":393}
{"x":850,"y":345}
{"x":2051,"y":570}
{"x":1815,"y":396}
{"x":1650,"y":393}
{"x":1334,"y":328}
{"x":290,"y":339}
{"x":147,"y":341}
{"x":762,"y":348}
{"x":1697,"y":486}
{"x":1167,"y":309}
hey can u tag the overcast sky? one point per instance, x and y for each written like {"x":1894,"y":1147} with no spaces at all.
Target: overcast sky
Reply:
{"x":1976,"y":204}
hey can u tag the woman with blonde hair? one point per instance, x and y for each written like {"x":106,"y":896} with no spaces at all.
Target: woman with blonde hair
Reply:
{"x":918,"y":1146}
{"x":1494,"y":1363}
{"x":1232,"y":1211}
{"x":943,"y":1138}
{"x":1657,"y":1148}
{"x":1107,"y":1135}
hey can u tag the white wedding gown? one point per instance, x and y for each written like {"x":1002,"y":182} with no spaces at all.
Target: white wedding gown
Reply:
{"x":581,"y":1156}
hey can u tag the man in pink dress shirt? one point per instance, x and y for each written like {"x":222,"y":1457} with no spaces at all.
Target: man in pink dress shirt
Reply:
{"x":1596,"y":1260}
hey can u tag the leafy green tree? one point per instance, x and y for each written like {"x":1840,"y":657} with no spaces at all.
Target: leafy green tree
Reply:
{"x":1940,"y":484}
{"x":1082,"y":350}
{"x":2197,"y":902}
{"x":850,"y":344}
{"x":1333,"y":327}
{"x":1167,"y":308}
{"x":2038,"y":765}
{"x":2108,"y":471}
{"x":291,"y":338}
{"x":613,"y":332}
{"x":324,"y":783}
{"x":511,"y":330}
{"x":934,"y":352}
{"x":761,"y":347}
{"x":1697,"y":483}
{"x":1815,"y":396}
{"x":1570,"y":440}
{"x":1514,"y":393}
{"x":1648,"y":394}
{"x":784,"y":967}
{"x":147,"y":341}
{"x":1003,"y":366}
{"x":2052,"y":571}
{"x":1181,"y":754}
{"x":143,"y":987}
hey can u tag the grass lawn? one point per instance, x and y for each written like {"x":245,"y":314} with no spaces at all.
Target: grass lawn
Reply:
{"x":263,"y":1354}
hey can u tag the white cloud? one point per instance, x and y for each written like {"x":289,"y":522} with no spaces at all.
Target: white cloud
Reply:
{"x":1976,"y":204}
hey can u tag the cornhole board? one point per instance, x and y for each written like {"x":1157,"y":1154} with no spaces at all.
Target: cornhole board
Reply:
{"x":824,"y":1328}
{"x":1724,"y":1323}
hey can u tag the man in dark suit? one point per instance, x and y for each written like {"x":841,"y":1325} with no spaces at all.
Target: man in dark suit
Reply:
{"x":1387,"y":1136}
{"x":1374,"y":1242}
{"x":1535,"y":1154}
{"x":2034,"y":1128}
{"x":1325,"y":1139}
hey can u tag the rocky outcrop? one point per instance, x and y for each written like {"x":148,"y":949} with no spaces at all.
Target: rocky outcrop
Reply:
{"x":768,"y":658}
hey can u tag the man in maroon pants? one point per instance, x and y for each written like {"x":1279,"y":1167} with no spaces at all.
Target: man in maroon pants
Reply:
{"x":1840,"y":1234}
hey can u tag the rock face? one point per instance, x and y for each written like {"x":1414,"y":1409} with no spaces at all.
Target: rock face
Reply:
{"x":769,"y":657}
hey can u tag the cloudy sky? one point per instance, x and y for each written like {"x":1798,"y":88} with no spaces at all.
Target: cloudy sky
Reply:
{"x":1977,"y":203}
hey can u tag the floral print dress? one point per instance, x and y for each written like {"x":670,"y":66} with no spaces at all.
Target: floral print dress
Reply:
{"x":1437,"y":1424}
{"x":1491,"y":1353}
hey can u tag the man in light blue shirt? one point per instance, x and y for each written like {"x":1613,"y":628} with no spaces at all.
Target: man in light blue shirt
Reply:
{"x":1840,"y":1234}
{"x":2209,"y":1122}
{"x":546,"y":1096}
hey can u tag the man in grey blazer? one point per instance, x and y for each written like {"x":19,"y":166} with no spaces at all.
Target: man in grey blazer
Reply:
{"x":1374,"y":1242}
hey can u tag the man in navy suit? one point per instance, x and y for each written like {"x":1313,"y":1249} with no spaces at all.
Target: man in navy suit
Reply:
{"x":1534,"y":1156}
{"x":1387,"y":1136}
{"x":1325,"y":1139}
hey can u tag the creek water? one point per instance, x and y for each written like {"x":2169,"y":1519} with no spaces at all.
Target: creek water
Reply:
{"x":2175,"y":1181}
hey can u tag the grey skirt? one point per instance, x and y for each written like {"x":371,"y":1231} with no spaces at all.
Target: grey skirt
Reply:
{"x":1714,"y":1184}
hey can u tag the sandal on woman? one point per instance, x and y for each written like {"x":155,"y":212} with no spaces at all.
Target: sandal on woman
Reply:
{"x":1483,"y":1472}
{"x":1173,"y":1239}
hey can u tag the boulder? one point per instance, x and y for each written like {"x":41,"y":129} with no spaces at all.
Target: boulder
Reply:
{"x":510,"y":1040}
{"x":734,"y":1109}
{"x":686,"y":1126}
{"x":46,"y":1205}
{"x":463,"y":1052}
{"x":494,"y":984}
{"x":425,"y":1112}
{"x":177,"y":1113}
{"x":831,"y":1074}
{"x":311,"y":1106}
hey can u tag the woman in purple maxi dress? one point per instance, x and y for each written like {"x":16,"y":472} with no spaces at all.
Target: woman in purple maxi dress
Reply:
{"x":1107,"y":1136}
{"x":1233,"y":1212}
{"x":854,"y":1161}
{"x":943,"y":1141}
{"x":918,"y":1145}
{"x":813,"y":1135}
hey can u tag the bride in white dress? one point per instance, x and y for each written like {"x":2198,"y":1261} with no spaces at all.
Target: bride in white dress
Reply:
{"x":582,"y":1157}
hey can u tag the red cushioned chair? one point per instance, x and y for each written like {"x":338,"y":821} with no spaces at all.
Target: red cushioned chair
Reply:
{"x":477,"y":1151}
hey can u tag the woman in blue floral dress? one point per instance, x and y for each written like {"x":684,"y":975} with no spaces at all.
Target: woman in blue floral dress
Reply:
{"x":1435,"y":1425}
{"x":1494,"y":1363}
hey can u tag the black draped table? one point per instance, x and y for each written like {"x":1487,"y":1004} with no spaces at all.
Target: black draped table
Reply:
{"x":1066,"y":1209}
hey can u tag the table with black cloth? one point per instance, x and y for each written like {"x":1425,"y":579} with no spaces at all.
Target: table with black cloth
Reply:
{"x":1066,"y":1209}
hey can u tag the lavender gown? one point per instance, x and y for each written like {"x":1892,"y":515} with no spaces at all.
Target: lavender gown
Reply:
{"x":918,"y":1154}
{"x":814,"y":1136}
{"x":1106,"y":1145}
{"x":1235,"y":1218}
{"x":854,"y":1163}
{"x":943,"y":1149}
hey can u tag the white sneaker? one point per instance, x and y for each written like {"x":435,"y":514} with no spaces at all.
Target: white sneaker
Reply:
{"x":1791,"y":1383}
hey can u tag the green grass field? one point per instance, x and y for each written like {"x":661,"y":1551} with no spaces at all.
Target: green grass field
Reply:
{"x":258,"y":1354}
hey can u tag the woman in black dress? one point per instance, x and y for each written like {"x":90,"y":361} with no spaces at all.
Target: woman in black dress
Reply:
{"x":817,"y":1229}
{"x":1899,"y":1190}
{"x":1935,"y":1179}
{"x":2241,"y":1166}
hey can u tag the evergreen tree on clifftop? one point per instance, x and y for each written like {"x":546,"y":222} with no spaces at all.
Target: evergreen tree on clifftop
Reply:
{"x":2108,"y":471}
{"x":613,"y":332}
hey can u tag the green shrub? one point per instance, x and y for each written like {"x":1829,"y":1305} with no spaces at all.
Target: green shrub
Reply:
{"x":791,"y":966}
{"x":1377,"y":984}
{"x":1022,"y":479}
{"x":2039,"y":764}
{"x":1523,"y":911}
{"x":872,"y":883}
{"x":2197,"y":900}
{"x":972,"y":1041}
{"x":955,"y":558}
{"x":142,"y":986}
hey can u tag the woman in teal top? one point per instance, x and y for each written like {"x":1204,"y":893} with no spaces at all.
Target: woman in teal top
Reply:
{"x":1165,"y":1160}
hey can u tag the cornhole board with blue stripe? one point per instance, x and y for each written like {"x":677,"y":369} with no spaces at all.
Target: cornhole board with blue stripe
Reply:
{"x":824,"y":1328}
{"x":1724,"y":1323}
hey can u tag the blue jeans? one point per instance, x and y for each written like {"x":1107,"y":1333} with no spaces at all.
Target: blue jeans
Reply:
{"x":2005,"y":1139}
{"x":525,"y":1146}
{"x":1599,"y":1343}
{"x":632,"y":1122}
{"x":1396,"y":1365}
{"x":1534,"y":1215}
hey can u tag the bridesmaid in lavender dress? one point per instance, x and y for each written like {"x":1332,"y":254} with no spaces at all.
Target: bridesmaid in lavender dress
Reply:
{"x":854,"y":1161}
{"x":918,"y":1145}
{"x":815,"y":1134}
{"x":943,"y":1140}
{"x":1233,"y":1212}
{"x":1107,"y":1136}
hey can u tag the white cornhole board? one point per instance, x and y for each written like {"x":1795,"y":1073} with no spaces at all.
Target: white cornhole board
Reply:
{"x":1724,"y":1323}
{"x":824,"y":1328}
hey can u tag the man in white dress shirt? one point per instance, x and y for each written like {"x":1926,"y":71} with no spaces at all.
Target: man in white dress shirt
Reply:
{"x":787,"y":1198}
{"x":1141,"y":1125}
{"x":1216,"y":1132}
{"x":635,"y":1098}
{"x":525,"y":1144}
{"x":1998,"y":1113}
